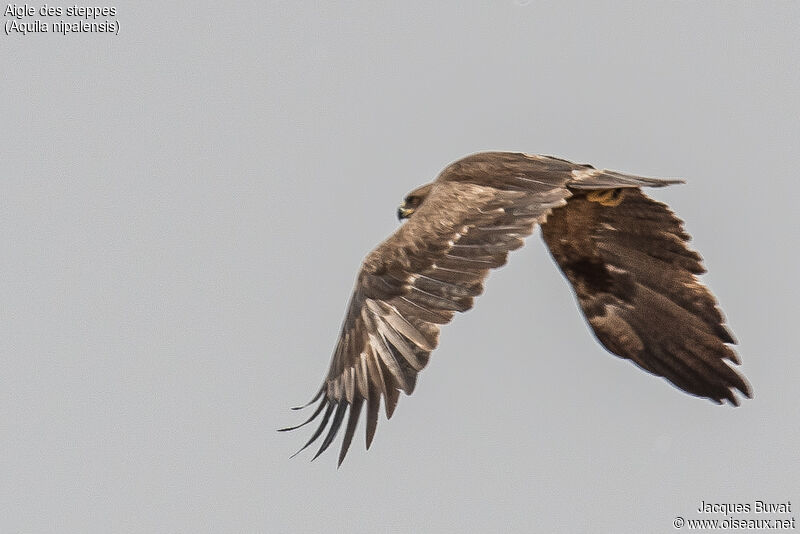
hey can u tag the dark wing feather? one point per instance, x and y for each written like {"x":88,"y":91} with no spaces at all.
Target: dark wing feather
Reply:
{"x":432,"y":267}
{"x":635,"y":279}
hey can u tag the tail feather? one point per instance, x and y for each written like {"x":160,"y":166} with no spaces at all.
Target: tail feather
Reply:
{"x":588,"y":178}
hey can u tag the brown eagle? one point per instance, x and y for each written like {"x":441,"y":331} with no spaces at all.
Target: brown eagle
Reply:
{"x":624,"y":254}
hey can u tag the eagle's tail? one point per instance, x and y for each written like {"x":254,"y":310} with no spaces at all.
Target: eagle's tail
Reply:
{"x":588,"y":178}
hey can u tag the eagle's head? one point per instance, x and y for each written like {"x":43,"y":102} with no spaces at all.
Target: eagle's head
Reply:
{"x":413,"y":201}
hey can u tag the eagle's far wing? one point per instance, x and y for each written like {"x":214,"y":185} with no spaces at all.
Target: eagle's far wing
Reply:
{"x":635,"y":278}
{"x":414,"y":282}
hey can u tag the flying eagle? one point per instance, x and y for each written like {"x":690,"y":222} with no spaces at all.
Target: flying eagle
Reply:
{"x":624,"y":254}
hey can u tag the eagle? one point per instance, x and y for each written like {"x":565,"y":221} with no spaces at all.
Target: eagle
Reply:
{"x":625,"y":255}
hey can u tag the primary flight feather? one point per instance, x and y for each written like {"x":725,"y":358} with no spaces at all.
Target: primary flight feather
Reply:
{"x":624,"y":254}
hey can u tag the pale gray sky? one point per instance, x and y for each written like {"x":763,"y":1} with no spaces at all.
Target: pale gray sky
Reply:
{"x":184,"y":207}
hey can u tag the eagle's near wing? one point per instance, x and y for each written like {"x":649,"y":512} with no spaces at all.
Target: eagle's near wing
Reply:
{"x":476,"y":212}
{"x":635,"y":278}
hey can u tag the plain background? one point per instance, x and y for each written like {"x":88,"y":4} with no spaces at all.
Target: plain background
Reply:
{"x":184,"y":208}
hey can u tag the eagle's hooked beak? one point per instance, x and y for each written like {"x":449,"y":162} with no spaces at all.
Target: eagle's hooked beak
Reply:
{"x":403,"y":212}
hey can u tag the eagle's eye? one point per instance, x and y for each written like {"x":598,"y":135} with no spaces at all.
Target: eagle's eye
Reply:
{"x":407,"y":208}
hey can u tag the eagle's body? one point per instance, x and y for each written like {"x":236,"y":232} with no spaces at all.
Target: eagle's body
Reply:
{"x":624,"y":254}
